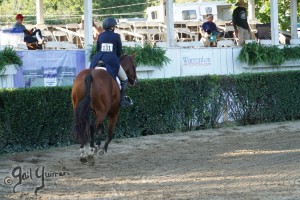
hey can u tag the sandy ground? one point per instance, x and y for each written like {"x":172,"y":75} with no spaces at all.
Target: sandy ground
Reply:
{"x":252,"y":162}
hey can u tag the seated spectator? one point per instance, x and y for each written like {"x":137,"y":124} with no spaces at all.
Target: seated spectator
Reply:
{"x":209,"y":30}
{"x":30,"y":36}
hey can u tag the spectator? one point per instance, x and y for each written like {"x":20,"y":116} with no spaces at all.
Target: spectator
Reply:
{"x":209,"y":31}
{"x":240,"y":23}
{"x":30,"y":36}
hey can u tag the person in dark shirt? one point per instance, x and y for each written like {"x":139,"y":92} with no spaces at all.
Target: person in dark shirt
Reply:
{"x":240,"y":23}
{"x":109,"y":49}
{"x":209,"y":29}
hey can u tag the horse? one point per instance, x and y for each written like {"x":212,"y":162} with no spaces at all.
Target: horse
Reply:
{"x":97,"y":90}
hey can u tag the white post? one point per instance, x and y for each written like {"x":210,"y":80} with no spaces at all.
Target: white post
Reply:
{"x":274,"y":22}
{"x":88,"y":35}
{"x":170,"y":23}
{"x":39,"y":12}
{"x":251,"y":9}
{"x":293,"y":16}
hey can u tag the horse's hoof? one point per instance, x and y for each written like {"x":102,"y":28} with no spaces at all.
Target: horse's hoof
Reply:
{"x":90,"y":159}
{"x":83,"y":159}
{"x":100,"y":153}
{"x":92,"y":151}
{"x":97,"y":148}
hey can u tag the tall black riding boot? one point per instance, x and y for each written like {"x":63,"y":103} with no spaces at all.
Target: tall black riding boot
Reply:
{"x":125,"y":100}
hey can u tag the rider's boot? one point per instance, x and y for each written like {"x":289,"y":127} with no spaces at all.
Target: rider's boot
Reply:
{"x":124,"y":101}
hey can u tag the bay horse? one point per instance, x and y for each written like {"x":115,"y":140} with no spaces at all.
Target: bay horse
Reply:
{"x":97,"y":90}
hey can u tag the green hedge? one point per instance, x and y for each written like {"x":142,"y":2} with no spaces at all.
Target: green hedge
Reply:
{"x":38,"y":118}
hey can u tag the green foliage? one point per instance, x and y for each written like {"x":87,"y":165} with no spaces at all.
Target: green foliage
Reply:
{"x":70,"y":11}
{"x":36,"y":118}
{"x":263,"y":97}
{"x":147,"y":55}
{"x":253,"y":54}
{"x":9,"y":56}
{"x":291,"y":53}
{"x":93,"y":51}
{"x":121,"y":9}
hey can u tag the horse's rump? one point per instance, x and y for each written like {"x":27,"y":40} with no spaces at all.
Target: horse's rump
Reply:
{"x":93,"y":90}
{"x":103,"y":85}
{"x":105,"y":91}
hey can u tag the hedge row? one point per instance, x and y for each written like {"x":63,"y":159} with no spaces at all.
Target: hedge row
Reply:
{"x":38,"y":118}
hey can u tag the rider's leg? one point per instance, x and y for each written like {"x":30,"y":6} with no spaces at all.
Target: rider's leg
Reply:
{"x":122,"y":75}
{"x":124,"y":80}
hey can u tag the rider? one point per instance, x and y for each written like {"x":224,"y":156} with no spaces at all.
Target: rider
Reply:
{"x":109,"y":49}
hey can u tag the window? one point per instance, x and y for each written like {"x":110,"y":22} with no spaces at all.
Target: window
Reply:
{"x":154,"y":15}
{"x":189,"y":14}
{"x":208,"y":10}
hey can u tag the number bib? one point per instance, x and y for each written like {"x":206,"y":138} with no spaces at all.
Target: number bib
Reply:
{"x":107,"y":47}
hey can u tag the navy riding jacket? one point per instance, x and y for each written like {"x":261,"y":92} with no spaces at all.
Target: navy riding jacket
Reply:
{"x":109,"y":49}
{"x":209,"y":27}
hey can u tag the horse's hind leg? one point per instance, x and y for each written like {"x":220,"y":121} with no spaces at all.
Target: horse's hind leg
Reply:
{"x":100,"y":132}
{"x":111,"y":124}
{"x":92,"y":149}
{"x":99,"y":124}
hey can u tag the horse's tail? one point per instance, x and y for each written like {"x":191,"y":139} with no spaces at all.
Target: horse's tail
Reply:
{"x":81,"y":124}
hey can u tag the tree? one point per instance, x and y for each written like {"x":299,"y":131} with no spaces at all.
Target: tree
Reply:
{"x":57,"y":11}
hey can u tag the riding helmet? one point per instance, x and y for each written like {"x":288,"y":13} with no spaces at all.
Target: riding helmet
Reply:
{"x":109,"y":23}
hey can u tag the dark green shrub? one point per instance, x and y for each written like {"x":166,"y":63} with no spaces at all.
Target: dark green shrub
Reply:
{"x":36,"y":118}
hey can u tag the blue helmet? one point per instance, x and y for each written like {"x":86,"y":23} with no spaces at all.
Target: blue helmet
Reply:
{"x":109,"y":23}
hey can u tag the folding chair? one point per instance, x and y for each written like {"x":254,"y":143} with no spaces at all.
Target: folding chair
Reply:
{"x":263,"y":31}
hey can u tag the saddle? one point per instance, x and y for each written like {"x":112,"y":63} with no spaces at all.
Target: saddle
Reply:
{"x":102,"y":66}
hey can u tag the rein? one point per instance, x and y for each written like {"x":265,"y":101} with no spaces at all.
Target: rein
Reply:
{"x":133,"y":80}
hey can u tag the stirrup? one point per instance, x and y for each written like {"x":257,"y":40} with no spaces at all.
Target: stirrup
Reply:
{"x":127,"y":101}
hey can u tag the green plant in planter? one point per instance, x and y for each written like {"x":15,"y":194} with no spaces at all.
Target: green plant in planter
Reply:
{"x":8,"y":56}
{"x":254,"y":53}
{"x":147,"y":55}
{"x":291,"y":53}
{"x":93,"y":50}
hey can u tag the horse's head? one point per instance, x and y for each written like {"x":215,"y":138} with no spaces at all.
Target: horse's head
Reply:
{"x":129,"y":67}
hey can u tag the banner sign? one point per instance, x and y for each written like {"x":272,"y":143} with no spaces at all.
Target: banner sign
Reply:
{"x":196,"y":62}
{"x":49,"y":68}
